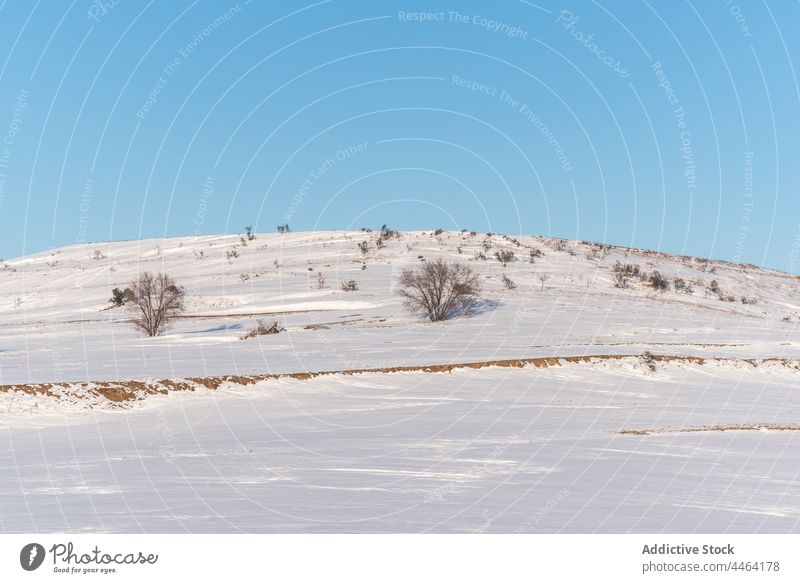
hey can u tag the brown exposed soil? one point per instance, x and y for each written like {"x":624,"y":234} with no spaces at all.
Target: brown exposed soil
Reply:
{"x":124,"y":391}
{"x":708,"y":428}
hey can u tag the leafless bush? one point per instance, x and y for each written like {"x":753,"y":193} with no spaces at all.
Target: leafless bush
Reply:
{"x":262,"y":329}
{"x":363,"y":246}
{"x":543,"y":277}
{"x":658,"y":282}
{"x":118,"y":297}
{"x":508,"y":282}
{"x":156,"y":300}
{"x":624,"y":274}
{"x":504,"y":256}
{"x":386,"y":234}
{"x":534,"y":254}
{"x":440,"y":290}
{"x":649,"y":361}
{"x":320,"y":280}
{"x":349,"y":286}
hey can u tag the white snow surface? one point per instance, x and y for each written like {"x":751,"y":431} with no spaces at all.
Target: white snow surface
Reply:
{"x":474,"y":450}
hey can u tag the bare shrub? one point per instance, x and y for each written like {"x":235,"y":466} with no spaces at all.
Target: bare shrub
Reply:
{"x":624,"y":274}
{"x":349,"y":286}
{"x":658,"y":282}
{"x":534,"y":254}
{"x":262,"y":329}
{"x":543,"y":277}
{"x":713,"y":287}
{"x":440,"y":290}
{"x":649,"y":361}
{"x":508,"y":282}
{"x":118,"y":297}
{"x":320,"y":280}
{"x":156,"y":300}
{"x":386,"y":234}
{"x":363,"y":246}
{"x":504,"y":256}
{"x":680,"y":285}
{"x":283,"y":229}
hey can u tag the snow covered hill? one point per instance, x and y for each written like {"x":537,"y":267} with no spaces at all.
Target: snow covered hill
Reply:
{"x":58,"y":324}
{"x":583,"y":397}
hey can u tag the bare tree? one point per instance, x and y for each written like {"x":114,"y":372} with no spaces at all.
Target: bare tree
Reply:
{"x":440,"y":290}
{"x":155,"y":299}
{"x":543,"y":277}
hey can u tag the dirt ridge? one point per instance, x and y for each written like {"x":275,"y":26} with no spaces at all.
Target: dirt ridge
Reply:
{"x":120,"y":392}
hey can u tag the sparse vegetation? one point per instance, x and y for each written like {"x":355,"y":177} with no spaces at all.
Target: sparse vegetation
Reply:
{"x":363,"y":246}
{"x":534,"y":254}
{"x":508,"y":282}
{"x":624,"y":274}
{"x":117,"y":297}
{"x":349,"y":286}
{"x":657,"y":281}
{"x":440,"y":290}
{"x":155,"y":300}
{"x":542,"y":277}
{"x":249,"y":233}
{"x":262,"y":329}
{"x":385,"y":235}
{"x":282,"y":229}
{"x":504,"y":256}
{"x":649,"y":361}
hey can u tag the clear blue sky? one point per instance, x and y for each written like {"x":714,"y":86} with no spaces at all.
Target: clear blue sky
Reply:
{"x":652,"y":124}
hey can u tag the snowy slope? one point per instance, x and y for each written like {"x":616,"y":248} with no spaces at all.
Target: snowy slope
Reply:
{"x":705,"y":439}
{"x":57,"y":325}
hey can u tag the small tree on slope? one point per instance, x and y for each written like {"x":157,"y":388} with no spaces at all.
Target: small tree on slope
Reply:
{"x":440,"y":290}
{"x":155,"y":300}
